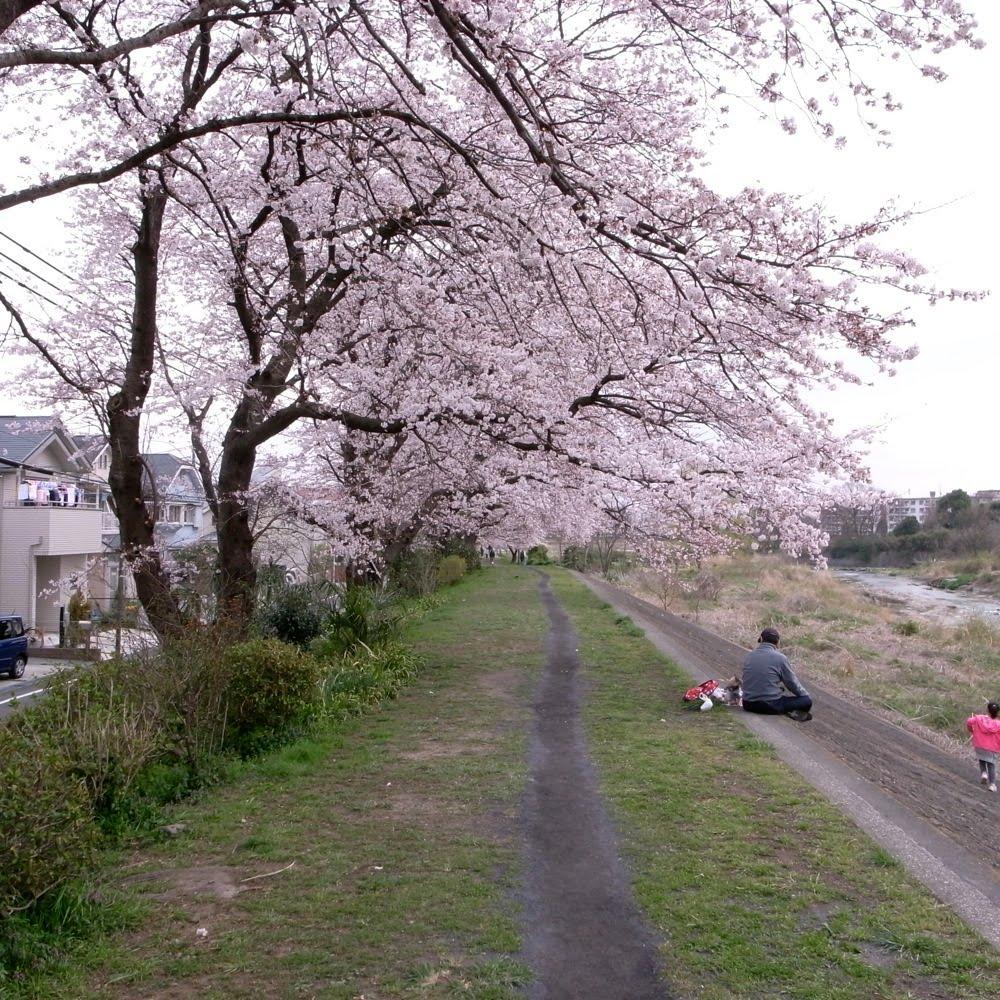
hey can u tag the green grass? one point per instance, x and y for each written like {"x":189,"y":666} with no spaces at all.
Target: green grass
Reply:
{"x":756,"y":885}
{"x":402,"y":827}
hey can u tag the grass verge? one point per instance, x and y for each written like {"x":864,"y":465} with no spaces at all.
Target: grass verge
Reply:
{"x":757,"y":885}
{"x":392,"y":842}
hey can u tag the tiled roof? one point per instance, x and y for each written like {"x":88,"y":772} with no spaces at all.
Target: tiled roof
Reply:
{"x":21,"y":436}
{"x":90,"y":444}
{"x":162,"y":465}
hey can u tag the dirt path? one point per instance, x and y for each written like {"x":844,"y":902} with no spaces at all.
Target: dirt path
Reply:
{"x":918,"y":801}
{"x":585,"y":936}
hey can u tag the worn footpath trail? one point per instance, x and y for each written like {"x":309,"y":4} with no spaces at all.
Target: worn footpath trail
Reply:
{"x":921,"y":803}
{"x":585,"y":935}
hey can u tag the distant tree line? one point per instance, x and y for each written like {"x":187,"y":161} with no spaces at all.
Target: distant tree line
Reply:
{"x":957,"y":526}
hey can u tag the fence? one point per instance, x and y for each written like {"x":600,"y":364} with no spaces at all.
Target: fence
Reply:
{"x":112,"y":626}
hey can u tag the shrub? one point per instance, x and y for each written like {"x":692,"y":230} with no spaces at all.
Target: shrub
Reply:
{"x":367,"y":616}
{"x":296,"y":613}
{"x":538,"y":555}
{"x":46,"y":823}
{"x":461,"y":545}
{"x":577,"y":557}
{"x":416,"y":572}
{"x":274,"y":690}
{"x":106,"y":731}
{"x":190,"y":688}
{"x":78,"y":609}
{"x":891,"y":549}
{"x":450,"y":570}
{"x":953,"y":582}
{"x":706,"y":586}
{"x":906,"y":627}
{"x":367,"y":677}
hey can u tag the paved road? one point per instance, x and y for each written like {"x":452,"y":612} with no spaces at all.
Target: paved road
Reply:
{"x":919,"y":802}
{"x":30,"y":686}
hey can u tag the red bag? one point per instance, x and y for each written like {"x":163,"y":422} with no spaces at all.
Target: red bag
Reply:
{"x":695,"y":693}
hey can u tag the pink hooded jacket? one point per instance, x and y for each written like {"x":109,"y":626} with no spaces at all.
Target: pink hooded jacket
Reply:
{"x":985,"y":732}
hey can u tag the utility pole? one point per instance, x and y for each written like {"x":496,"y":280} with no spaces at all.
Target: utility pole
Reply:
{"x":119,"y":605}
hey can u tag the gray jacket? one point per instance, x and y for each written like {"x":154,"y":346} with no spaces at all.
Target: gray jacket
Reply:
{"x":765,"y":671}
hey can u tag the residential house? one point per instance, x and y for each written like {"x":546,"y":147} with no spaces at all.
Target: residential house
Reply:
{"x":174,"y":486}
{"x":171,"y":486}
{"x":51,"y":505}
{"x":284,"y":539}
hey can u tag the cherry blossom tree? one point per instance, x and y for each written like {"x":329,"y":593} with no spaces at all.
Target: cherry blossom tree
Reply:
{"x":469,"y":243}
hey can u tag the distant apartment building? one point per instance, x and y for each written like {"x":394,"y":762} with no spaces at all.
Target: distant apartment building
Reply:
{"x":844,"y":522}
{"x":902,"y":507}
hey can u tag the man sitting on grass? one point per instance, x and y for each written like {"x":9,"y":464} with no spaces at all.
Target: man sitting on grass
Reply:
{"x":770,"y":686}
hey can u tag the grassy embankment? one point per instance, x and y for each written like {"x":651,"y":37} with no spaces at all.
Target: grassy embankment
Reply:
{"x":930,"y":676}
{"x":407,"y":857}
{"x":978,"y":572}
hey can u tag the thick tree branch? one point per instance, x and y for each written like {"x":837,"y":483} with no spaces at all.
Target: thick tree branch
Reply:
{"x":11,"y":10}
{"x":214,"y":125}
{"x":97,"y":57}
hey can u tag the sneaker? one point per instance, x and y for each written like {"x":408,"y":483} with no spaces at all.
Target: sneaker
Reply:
{"x":993,"y":788}
{"x":800,"y":715}
{"x":984,"y":778}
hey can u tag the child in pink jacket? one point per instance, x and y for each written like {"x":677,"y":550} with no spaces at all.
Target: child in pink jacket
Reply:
{"x":985,"y":731}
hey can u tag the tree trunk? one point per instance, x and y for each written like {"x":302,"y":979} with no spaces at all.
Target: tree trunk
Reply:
{"x":11,"y":10}
{"x":124,"y":408}
{"x":237,"y":579}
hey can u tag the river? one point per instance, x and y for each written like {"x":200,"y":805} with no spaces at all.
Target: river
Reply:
{"x":941,"y":606}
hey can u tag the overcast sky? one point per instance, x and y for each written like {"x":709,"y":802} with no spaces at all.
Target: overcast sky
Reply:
{"x":938,"y":417}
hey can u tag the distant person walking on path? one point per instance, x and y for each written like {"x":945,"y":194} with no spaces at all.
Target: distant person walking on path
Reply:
{"x":491,"y":552}
{"x":770,"y":686}
{"x":985,"y":731}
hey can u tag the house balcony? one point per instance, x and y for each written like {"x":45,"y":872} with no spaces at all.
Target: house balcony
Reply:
{"x":60,"y":530}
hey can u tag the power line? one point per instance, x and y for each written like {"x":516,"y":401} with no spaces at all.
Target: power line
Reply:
{"x":33,"y":291}
{"x":36,"y":256}
{"x":24,"y":267}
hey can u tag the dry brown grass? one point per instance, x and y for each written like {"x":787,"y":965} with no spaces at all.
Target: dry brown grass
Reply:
{"x":924,"y":676}
{"x":982,"y":567}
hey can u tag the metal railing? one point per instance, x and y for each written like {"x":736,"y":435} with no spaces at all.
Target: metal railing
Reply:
{"x":91,"y":503}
